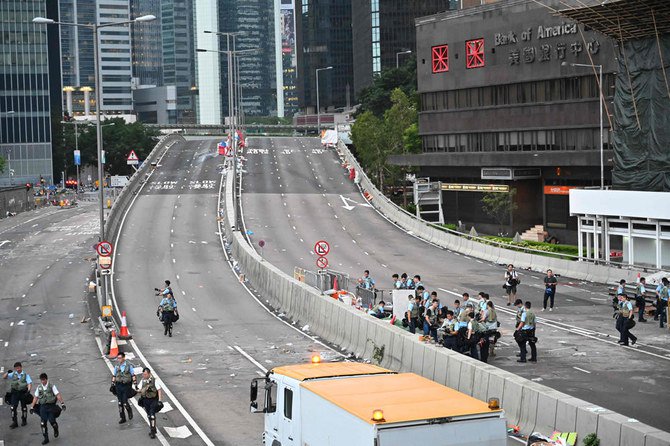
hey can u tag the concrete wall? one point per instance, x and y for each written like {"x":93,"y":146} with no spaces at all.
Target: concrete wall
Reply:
{"x":16,"y":199}
{"x":530,"y":405}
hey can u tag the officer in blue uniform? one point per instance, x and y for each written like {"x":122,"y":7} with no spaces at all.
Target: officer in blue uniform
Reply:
{"x":663,"y":296}
{"x":525,"y":332}
{"x":122,"y":379}
{"x":46,"y":395}
{"x":20,"y":386}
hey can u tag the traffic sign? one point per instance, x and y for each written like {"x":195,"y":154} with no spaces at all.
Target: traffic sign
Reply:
{"x":321,"y":248}
{"x":322,"y":263}
{"x":261,"y":243}
{"x":106,"y":311}
{"x":132,"y":158}
{"x":104,"y":249}
{"x":77,"y":157}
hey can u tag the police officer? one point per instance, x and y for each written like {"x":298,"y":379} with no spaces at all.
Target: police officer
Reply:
{"x":473,"y":332}
{"x":150,"y":396}
{"x":663,"y":296}
{"x":46,"y":395}
{"x":167,"y":309}
{"x":525,"y":332}
{"x":122,"y":379}
{"x":20,"y":386}
{"x":449,"y":331}
{"x":626,"y":315}
{"x":413,"y":313}
{"x":640,"y":301}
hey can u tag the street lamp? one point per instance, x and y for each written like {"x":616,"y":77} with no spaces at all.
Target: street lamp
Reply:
{"x":397,"y":57}
{"x":318,"y":107}
{"x":602,"y":104}
{"x":95,"y":27}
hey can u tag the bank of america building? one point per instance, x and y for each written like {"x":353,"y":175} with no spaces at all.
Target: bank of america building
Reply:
{"x":25,"y":132}
{"x":502,"y":104}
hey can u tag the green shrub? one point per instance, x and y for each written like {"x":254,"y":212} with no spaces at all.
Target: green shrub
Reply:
{"x":591,"y":440}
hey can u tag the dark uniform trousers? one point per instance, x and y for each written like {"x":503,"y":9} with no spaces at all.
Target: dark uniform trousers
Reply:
{"x":527,"y":336}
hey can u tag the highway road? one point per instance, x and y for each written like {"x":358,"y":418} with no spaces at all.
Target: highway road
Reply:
{"x":45,"y":260}
{"x":295,"y":193}
{"x":224,"y":337}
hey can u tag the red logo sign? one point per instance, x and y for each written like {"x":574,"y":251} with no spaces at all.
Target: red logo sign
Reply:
{"x":321,"y":248}
{"x":322,"y":263}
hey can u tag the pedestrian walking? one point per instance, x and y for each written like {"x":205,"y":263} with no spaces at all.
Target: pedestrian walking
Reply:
{"x":44,"y":403}
{"x":626,"y":321}
{"x":20,"y":385}
{"x":663,"y":296}
{"x":640,"y":300}
{"x":151,"y":395}
{"x":122,"y":379}
{"x":550,"y":282}
{"x":511,"y":282}
{"x":525,"y":333}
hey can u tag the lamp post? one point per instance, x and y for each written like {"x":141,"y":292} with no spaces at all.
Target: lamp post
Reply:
{"x":76,"y":140}
{"x":397,"y":57}
{"x":318,"y":106}
{"x":602,"y":105}
{"x":95,"y":28}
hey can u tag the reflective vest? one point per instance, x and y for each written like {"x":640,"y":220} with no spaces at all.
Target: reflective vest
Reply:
{"x":47,"y":395}
{"x":530,"y":319}
{"x":168,"y":305}
{"x":625,"y":311}
{"x":477,"y":327}
{"x":491,"y":316}
{"x":124,"y":376}
{"x":149,"y":388}
{"x":414,"y":312}
{"x":19,"y":382}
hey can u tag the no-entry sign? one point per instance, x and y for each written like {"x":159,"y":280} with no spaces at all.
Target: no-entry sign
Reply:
{"x":321,"y":248}
{"x":322,"y":263}
{"x":104,"y":249}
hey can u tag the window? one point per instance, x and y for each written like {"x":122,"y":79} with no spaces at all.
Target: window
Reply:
{"x":288,"y":403}
{"x":440,"y":57}
{"x":474,"y":53}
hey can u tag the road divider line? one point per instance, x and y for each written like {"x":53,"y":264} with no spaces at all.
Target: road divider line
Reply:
{"x":250,"y":358}
{"x":581,"y":370}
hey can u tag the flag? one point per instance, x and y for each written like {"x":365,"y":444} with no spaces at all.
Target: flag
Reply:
{"x":240,"y":138}
{"x":223,"y":148}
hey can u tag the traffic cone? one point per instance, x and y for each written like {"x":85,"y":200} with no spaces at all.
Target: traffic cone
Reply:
{"x":124,"y":327}
{"x":638,"y":278}
{"x":335,"y":285}
{"x":113,"y":346}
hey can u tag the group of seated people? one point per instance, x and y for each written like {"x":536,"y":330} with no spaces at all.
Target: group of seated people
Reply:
{"x":470,"y":327}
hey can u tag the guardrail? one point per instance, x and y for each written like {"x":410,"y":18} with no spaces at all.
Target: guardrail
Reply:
{"x":485,"y":249}
{"x":530,"y":405}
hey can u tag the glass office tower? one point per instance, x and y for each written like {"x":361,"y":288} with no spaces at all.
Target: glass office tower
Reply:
{"x":25,"y":129}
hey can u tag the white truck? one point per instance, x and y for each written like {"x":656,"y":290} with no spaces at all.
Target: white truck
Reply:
{"x":355,"y":404}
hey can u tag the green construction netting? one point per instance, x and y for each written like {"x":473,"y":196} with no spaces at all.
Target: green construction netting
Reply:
{"x":642,"y":116}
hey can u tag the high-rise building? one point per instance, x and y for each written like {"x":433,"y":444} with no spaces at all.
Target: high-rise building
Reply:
{"x":25,"y":103}
{"x":288,"y":56}
{"x":254,"y":21}
{"x":78,"y":65}
{"x":208,"y":64}
{"x":324,"y":39}
{"x":163,"y":62}
{"x":383,"y":28}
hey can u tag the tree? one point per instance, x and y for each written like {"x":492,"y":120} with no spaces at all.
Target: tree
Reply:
{"x":499,"y":206}
{"x":2,"y":164}
{"x":377,"y":97}
{"x":369,"y":139}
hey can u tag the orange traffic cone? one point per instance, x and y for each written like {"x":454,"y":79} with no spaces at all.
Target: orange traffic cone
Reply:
{"x":335,"y":285}
{"x":113,"y":346}
{"x":124,"y":326}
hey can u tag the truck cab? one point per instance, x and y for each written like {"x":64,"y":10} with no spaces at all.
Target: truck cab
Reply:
{"x":352,"y":404}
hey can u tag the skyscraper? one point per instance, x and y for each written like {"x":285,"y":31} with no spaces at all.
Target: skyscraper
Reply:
{"x":115,"y":54}
{"x":324,"y":39}
{"x":25,"y":103}
{"x":383,"y":28}
{"x":208,"y":64}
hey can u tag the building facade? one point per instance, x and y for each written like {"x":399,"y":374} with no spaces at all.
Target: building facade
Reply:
{"x":502,"y":104}
{"x":25,"y":102}
{"x":383,"y":28}
{"x":208,"y":64}
{"x":324,"y":39}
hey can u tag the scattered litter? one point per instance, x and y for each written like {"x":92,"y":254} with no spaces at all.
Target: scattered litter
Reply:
{"x":178,"y":432}
{"x":305,"y":328}
{"x":187,"y":360}
{"x":579,"y":354}
{"x":71,"y":316}
{"x":232,"y":375}
{"x":537,"y":380}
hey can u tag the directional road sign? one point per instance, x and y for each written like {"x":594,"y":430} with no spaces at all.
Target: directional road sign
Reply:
{"x":322,"y":263}
{"x":321,"y":248}
{"x":104,"y":249}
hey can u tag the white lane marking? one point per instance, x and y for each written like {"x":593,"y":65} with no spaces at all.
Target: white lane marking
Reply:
{"x":21,"y":322}
{"x":251,"y":359}
{"x":3,"y":242}
{"x":167,"y":391}
{"x":192,"y":308}
{"x":354,"y":241}
{"x":183,"y":293}
{"x":210,"y":327}
{"x":159,"y":435}
{"x":581,"y":370}
{"x":11,"y":324}
{"x":6,"y":343}
{"x":174,"y":260}
{"x":177,"y":276}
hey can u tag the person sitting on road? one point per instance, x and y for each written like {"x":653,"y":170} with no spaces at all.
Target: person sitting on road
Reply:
{"x":378,"y":311}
